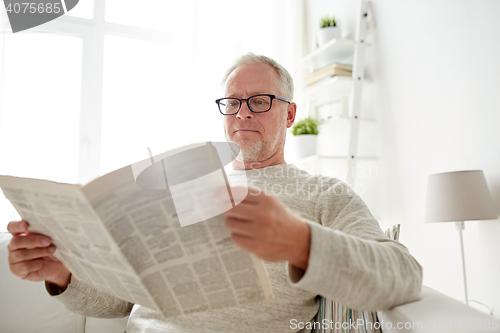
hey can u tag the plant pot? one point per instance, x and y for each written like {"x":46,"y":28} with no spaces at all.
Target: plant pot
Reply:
{"x":305,"y":145}
{"x":327,"y":34}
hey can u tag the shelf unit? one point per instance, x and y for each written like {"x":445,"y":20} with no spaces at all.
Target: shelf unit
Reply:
{"x":343,"y":95}
{"x":339,"y":49}
{"x":330,"y":89}
{"x":348,"y":151}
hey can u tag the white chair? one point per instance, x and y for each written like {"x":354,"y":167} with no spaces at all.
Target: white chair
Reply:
{"x":26,"y":307}
{"x":342,"y":316}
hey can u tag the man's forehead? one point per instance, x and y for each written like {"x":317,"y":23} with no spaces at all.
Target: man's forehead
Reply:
{"x":253,"y":78}
{"x":249,"y":93}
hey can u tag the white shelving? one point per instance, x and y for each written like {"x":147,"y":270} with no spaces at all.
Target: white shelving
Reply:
{"x":316,"y":158}
{"x":330,"y":89}
{"x":347,"y":117}
{"x":335,"y":136}
{"x":341,"y":50}
{"x":348,"y":146}
{"x":367,"y":174}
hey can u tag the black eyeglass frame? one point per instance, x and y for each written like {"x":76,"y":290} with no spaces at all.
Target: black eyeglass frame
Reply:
{"x":240,"y":100}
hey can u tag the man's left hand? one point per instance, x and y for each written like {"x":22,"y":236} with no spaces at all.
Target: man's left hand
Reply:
{"x":262,"y":225}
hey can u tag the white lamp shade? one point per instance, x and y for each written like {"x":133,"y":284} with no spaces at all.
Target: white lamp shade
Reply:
{"x":458,"y":196}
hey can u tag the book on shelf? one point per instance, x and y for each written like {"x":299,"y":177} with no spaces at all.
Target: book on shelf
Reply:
{"x":335,"y":69}
{"x":126,"y":238}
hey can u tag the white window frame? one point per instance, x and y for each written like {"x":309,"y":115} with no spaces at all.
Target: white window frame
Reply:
{"x":92,"y":32}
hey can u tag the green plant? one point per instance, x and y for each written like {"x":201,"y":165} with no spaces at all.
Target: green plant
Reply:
{"x":308,"y":125}
{"x":328,"y":21}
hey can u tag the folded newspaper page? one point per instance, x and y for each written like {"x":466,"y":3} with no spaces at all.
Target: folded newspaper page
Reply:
{"x":126,"y":240}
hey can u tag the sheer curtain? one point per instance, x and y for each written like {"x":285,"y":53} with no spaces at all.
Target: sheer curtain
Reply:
{"x":89,"y":92}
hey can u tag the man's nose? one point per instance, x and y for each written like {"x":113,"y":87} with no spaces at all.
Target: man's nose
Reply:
{"x":245,"y":112}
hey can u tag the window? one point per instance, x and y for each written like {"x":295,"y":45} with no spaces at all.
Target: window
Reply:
{"x":145,"y":100}
{"x":87,"y":93}
{"x":40,"y":109}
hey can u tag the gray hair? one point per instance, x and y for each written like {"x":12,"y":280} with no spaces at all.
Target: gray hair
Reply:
{"x":286,"y":81}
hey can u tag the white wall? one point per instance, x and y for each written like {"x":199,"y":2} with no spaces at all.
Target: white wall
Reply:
{"x":436,"y":68}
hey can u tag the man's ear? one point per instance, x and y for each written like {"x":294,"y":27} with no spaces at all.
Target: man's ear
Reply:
{"x":291,"y":112}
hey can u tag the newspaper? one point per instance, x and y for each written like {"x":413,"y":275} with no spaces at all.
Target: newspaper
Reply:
{"x":127,"y":241}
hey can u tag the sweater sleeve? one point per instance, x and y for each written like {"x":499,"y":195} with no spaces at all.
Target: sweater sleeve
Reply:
{"x":90,"y":302}
{"x":351,"y":261}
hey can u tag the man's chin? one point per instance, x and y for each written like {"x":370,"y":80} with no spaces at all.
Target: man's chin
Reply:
{"x":247,"y":144}
{"x":251,"y":151}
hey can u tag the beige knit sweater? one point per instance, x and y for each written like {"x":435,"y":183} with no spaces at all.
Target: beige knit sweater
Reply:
{"x":351,"y":261}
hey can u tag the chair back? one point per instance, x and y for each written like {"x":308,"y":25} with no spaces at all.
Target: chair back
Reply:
{"x":342,"y":317}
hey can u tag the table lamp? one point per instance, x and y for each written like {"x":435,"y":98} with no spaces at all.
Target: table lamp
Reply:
{"x":457,"y":197}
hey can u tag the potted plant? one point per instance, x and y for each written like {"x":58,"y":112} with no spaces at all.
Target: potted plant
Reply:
{"x":305,"y":134}
{"x":328,"y":30}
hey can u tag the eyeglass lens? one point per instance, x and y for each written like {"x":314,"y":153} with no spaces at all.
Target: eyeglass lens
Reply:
{"x":256,"y":103}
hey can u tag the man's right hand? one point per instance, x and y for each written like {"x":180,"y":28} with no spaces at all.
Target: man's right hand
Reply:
{"x":31,"y":256}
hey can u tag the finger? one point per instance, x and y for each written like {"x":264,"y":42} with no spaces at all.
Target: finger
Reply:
{"x":228,"y":205}
{"x":246,"y":243}
{"x":260,"y":231}
{"x":254,"y":191}
{"x":243,"y":211}
{"x":26,"y":255}
{"x":247,"y":194}
{"x":220,"y":194}
{"x":239,"y":193}
{"x":28,"y":242}
{"x":223,"y":201}
{"x":18,"y":227}
{"x":242,"y":228}
{"x":25,"y":268}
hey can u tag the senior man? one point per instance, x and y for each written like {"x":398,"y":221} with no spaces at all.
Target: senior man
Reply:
{"x":316,"y":235}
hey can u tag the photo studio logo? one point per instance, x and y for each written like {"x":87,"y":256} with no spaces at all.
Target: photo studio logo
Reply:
{"x":26,"y":14}
{"x":191,"y":176}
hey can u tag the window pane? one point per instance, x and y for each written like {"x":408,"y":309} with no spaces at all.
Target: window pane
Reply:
{"x":166,"y":15}
{"x":40,"y":109}
{"x":83,"y":9}
{"x":144,"y":102}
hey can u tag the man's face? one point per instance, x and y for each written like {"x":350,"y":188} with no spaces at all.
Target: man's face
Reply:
{"x":259,"y":135}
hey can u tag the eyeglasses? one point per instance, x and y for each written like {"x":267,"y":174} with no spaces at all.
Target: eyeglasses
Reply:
{"x":256,"y":104}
